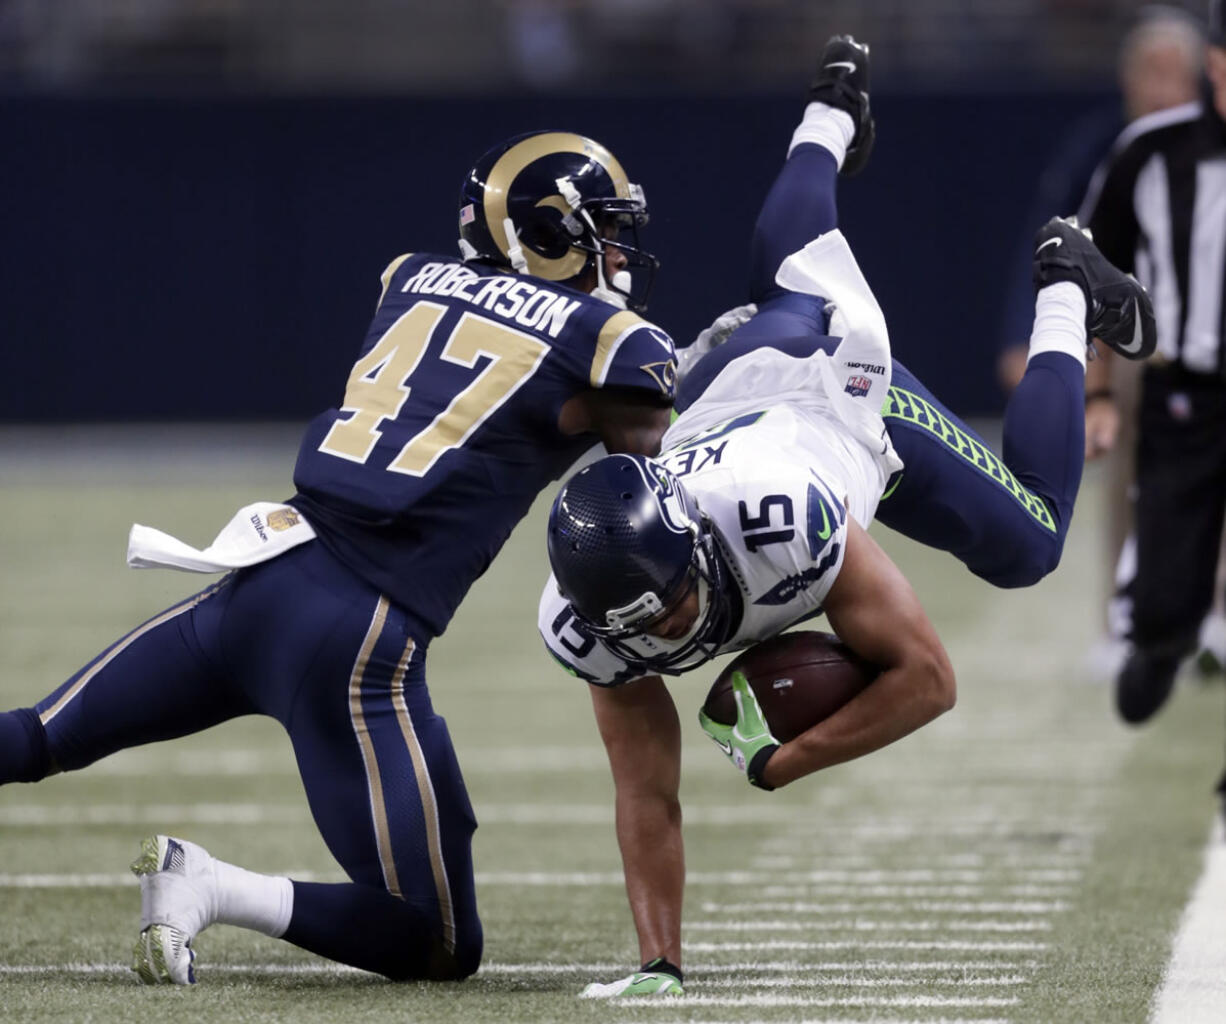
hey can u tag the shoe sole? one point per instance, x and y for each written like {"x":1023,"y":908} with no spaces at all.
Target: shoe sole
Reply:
{"x":149,"y":960}
{"x":152,"y":856}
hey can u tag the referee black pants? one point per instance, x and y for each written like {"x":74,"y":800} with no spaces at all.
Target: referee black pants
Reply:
{"x":1181,"y":495}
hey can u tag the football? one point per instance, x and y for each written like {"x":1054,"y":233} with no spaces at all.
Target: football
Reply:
{"x":799,"y":679}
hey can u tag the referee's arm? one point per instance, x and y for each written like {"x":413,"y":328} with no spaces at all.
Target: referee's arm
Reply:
{"x":1109,"y":213}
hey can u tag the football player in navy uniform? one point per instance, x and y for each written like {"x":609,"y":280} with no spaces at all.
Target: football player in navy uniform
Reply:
{"x":480,"y":381}
{"x":793,"y":435}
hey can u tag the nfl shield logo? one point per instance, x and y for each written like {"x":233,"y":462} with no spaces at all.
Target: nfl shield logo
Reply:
{"x":858,"y":387}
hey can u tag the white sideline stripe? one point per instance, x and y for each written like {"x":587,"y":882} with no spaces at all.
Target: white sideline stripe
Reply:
{"x":1193,"y":989}
{"x":868,"y":925}
{"x":780,"y":1000}
{"x":918,"y":906}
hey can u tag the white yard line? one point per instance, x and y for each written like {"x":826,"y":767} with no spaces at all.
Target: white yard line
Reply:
{"x":911,"y":945}
{"x":39,"y":815}
{"x":857,"y":980}
{"x":771,"y":999}
{"x":915,"y":891}
{"x":238,"y":813}
{"x":779,"y":966}
{"x":1193,"y":990}
{"x":550,"y":967}
{"x":117,"y":968}
{"x":910,"y":906}
{"x":68,"y":880}
{"x":868,"y":925}
{"x":839,"y":1020}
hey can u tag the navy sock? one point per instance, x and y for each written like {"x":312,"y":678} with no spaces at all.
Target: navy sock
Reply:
{"x":799,"y":206}
{"x":1044,"y":431}
{"x":370,"y":928}
{"x":24,"y":754}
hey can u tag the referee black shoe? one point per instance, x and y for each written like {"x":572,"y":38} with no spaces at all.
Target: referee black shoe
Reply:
{"x":842,"y":82}
{"x":1144,"y":685}
{"x":1118,"y":310}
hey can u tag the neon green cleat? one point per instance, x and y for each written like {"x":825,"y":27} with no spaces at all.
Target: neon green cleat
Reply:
{"x":640,"y":983}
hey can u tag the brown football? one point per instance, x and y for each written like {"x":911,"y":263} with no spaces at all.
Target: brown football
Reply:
{"x":799,"y":679}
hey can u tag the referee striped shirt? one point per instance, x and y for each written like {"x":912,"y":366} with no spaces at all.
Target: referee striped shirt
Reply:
{"x":1157,"y":208}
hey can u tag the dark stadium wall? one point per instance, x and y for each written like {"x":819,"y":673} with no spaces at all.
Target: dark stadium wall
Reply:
{"x":219,"y":259}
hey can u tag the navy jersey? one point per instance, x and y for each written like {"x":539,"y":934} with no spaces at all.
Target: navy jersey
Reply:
{"x":449,"y":424}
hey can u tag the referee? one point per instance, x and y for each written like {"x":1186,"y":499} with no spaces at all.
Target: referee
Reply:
{"x":1157,"y":207}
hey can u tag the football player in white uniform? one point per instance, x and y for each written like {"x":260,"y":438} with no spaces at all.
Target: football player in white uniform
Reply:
{"x":794,"y":433}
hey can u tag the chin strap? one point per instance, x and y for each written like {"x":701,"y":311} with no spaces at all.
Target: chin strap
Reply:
{"x":619,"y":291}
{"x":615,"y":296}
{"x":514,"y":252}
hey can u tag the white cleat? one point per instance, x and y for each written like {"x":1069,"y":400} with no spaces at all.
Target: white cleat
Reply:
{"x":178,"y":900}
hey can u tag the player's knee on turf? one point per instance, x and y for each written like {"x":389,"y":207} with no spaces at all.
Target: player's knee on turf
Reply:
{"x":444,"y":964}
{"x":466,"y":958}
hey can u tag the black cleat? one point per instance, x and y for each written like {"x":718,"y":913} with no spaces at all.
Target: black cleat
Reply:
{"x":842,"y":82}
{"x":1143,"y":686}
{"x":1118,"y":310}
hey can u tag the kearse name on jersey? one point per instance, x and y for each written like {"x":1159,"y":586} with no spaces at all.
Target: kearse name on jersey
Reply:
{"x":511,"y":298}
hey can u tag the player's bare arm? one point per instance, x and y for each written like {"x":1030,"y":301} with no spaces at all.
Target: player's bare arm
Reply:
{"x":642,"y":736}
{"x":624,"y":420}
{"x":876,"y":612}
{"x":1102,"y":414}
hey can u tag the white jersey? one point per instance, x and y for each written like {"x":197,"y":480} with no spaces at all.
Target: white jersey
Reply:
{"x":778,"y":486}
{"x":778,"y":452}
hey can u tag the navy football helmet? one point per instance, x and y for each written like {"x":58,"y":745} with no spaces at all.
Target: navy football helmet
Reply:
{"x":627,"y":543}
{"x":543,"y":204}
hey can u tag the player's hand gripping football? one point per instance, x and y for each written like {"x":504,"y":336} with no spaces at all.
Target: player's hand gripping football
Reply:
{"x":748,"y":741}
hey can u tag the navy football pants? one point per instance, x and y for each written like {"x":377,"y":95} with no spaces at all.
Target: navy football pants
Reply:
{"x":1005,"y":517}
{"x":304,"y":641}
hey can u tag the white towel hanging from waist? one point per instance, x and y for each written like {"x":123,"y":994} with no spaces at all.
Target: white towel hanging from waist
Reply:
{"x":256,"y":533}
